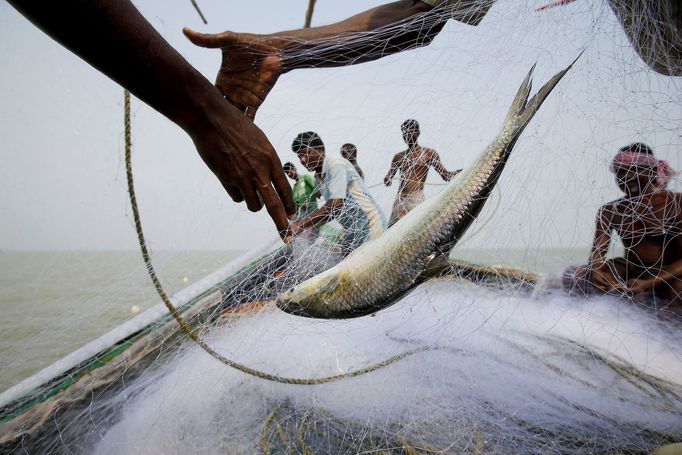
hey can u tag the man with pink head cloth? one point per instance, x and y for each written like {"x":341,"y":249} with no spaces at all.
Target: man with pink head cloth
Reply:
{"x":648,"y":220}
{"x":640,"y":152}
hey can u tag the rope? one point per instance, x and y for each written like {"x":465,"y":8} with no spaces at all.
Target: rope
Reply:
{"x":266,"y":427}
{"x":183,"y":324}
{"x":196,"y":7}
{"x":309,"y":13}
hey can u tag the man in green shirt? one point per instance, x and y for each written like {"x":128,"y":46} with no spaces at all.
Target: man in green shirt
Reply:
{"x":305,"y":191}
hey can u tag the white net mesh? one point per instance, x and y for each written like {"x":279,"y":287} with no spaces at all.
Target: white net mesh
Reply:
{"x":505,"y":360}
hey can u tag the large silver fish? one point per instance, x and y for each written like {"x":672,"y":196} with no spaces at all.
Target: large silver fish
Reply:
{"x":380,"y":271}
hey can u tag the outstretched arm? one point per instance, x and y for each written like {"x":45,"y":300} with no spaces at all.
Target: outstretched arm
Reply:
{"x":252,"y":63}
{"x":320,"y":216}
{"x":115,"y":38}
{"x":353,"y":40}
{"x":446,"y":175}
{"x":395,"y":165}
{"x":670,"y":273}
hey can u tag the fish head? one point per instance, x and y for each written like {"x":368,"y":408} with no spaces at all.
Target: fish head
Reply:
{"x":310,"y":297}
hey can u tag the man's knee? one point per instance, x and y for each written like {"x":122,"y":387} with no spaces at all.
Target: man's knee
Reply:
{"x":673,"y":292}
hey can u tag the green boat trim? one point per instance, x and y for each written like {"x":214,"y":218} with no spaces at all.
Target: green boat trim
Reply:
{"x":67,"y":371}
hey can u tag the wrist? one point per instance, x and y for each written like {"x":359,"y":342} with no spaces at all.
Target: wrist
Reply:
{"x":204,"y":105}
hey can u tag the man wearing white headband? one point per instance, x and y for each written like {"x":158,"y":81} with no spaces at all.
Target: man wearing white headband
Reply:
{"x":648,"y":220}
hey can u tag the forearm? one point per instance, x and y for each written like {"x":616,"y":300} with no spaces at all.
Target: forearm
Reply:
{"x":444,"y":173}
{"x":372,"y":19}
{"x":391,"y":172}
{"x":671,"y":272}
{"x":381,"y":31}
{"x":115,"y":38}
{"x":600,"y":244}
{"x":320,"y":216}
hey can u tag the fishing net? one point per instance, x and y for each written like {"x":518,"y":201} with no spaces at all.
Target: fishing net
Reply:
{"x":491,"y":356}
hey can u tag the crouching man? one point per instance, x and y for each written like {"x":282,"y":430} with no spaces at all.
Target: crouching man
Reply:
{"x":648,"y":220}
{"x":347,"y":198}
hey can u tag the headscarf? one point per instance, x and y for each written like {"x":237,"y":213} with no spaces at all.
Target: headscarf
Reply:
{"x":665,"y":173}
{"x":628,"y":160}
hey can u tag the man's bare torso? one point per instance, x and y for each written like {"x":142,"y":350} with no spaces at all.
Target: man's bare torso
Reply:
{"x":649,"y":226}
{"x":414,"y":167}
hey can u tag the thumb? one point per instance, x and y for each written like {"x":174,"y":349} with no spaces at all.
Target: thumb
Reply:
{"x":203,"y":39}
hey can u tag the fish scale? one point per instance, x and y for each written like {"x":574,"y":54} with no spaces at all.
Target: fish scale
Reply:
{"x":379,"y":272}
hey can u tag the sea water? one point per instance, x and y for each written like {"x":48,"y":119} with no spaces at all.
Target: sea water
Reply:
{"x":54,"y":302}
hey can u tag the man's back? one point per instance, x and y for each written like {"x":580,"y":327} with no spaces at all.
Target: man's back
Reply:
{"x":360,"y":212}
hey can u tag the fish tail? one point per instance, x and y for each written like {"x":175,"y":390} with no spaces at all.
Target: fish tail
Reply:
{"x":520,"y":113}
{"x":518,"y":105}
{"x":525,"y":113}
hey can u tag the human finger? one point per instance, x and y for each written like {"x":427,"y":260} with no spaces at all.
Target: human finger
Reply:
{"x":600,"y":281}
{"x":234,"y":192}
{"x":204,"y":39}
{"x":636,"y":286}
{"x":253,"y":202}
{"x":284,"y":192}
{"x":273,"y":204}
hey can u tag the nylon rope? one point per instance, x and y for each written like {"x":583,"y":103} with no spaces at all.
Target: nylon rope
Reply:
{"x":196,"y":7}
{"x":309,"y":13}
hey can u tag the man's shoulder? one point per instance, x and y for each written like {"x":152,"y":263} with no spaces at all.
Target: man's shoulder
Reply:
{"x":335,"y":162}
{"x":608,"y":209}
{"x":426,"y":154}
{"x":337,"y":166}
{"x":613,"y":203}
{"x":669,"y":195}
{"x":399,"y":156}
{"x":668,"y":198}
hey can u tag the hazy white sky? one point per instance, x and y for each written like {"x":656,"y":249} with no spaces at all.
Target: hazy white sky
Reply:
{"x":63,"y":181}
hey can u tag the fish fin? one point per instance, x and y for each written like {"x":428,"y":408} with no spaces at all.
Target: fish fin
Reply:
{"x":436,"y":266}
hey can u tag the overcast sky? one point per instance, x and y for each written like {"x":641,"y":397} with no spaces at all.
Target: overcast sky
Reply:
{"x":63,"y":179}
